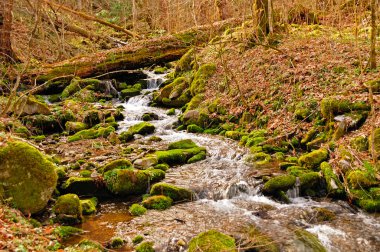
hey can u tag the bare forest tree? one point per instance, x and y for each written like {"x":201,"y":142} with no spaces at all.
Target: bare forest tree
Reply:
{"x":6,"y":52}
{"x":372,"y":60}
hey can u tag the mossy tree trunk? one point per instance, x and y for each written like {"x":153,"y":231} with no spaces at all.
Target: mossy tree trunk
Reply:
{"x":133,"y":56}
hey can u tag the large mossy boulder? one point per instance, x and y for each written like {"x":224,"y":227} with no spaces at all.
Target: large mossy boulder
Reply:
{"x":68,"y":209}
{"x":280,"y":183}
{"x":27,"y":178}
{"x":313,"y":159}
{"x":177,"y":194}
{"x":212,"y":241}
{"x":176,"y":94}
{"x":358,"y":179}
{"x":125,"y":182}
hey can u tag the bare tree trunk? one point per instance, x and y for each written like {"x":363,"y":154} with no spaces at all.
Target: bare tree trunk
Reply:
{"x":262,"y":17}
{"x":6,"y":52}
{"x":372,"y":59}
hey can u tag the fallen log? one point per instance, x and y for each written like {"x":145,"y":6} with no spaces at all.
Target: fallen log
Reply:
{"x":132,"y":56}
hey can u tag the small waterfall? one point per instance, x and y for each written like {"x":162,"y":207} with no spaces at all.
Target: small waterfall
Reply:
{"x":154,"y":81}
{"x":295,"y":191}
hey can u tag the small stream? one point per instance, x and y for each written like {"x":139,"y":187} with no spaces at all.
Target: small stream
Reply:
{"x":229,"y":198}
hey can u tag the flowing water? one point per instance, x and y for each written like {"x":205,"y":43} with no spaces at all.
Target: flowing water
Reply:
{"x":229,"y":198}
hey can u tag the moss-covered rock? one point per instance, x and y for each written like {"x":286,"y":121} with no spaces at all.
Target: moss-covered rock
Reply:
{"x":163,"y":167}
{"x":235,"y":135}
{"x":89,"y":246}
{"x":89,"y":206}
{"x":177,"y":156}
{"x":370,"y":205}
{"x":185,"y":62}
{"x":74,"y":127}
{"x":313,"y":159}
{"x":42,"y":124}
{"x":137,"y":210}
{"x":258,"y":159}
{"x":174,"y":192}
{"x":125,"y":182}
{"x":130,"y":92}
{"x":335,"y":188}
{"x":142,"y":128}
{"x":77,"y":84}
{"x":193,"y":128}
{"x":171,"y":112}
{"x":158,"y":202}
{"x":91,"y":134}
{"x":145,"y":247}
{"x":212,"y":241}
{"x":27,"y":178}
{"x":64,"y":232}
{"x":137,"y":239}
{"x":82,"y":186}
{"x":116,"y":243}
{"x":125,"y":137}
{"x":279,"y":183}
{"x":196,"y":158}
{"x":358,"y":179}
{"x":309,"y":240}
{"x":311,"y":183}
{"x":68,"y":209}
{"x":333,"y":106}
{"x":198,"y":84}
{"x":116,"y":164}
{"x":183,"y":144}
{"x":155,"y":175}
{"x":260,"y":241}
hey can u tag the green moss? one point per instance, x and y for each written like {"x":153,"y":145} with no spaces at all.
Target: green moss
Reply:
{"x":254,"y":141}
{"x":85,"y":173}
{"x":145,"y":247}
{"x":29,"y":105}
{"x":90,"y":246}
{"x":91,"y":134}
{"x":68,"y":209}
{"x":309,"y":180}
{"x":137,"y":210}
{"x":309,"y":136}
{"x":42,"y":123}
{"x":142,"y":128}
{"x":171,"y":112}
{"x":193,"y":128}
{"x":259,"y":158}
{"x":116,"y":164}
{"x":155,"y":175}
{"x":201,"y":76}
{"x":77,"y":84}
{"x":309,"y":240}
{"x":116,"y":243}
{"x":174,"y":192}
{"x":286,"y":165}
{"x":332,"y":106}
{"x":89,"y":206}
{"x":177,"y":156}
{"x":160,"y":70}
{"x":279,"y":183}
{"x":27,"y":178}
{"x":163,"y":167}
{"x":296,"y":170}
{"x":130,"y":92}
{"x":38,"y":139}
{"x":358,"y":179}
{"x":359,"y":143}
{"x":145,"y":162}
{"x":125,"y":137}
{"x":370,"y":205}
{"x":185,"y":63}
{"x":334,"y":186}
{"x":182,"y":144}
{"x":158,"y":202}
{"x":374,"y":85}
{"x":196,"y":158}
{"x":126,"y":182}
{"x":64,"y":232}
{"x":80,"y":186}
{"x":137,"y":239}
{"x":313,"y":159}
{"x":235,"y":135}
{"x":212,"y":241}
